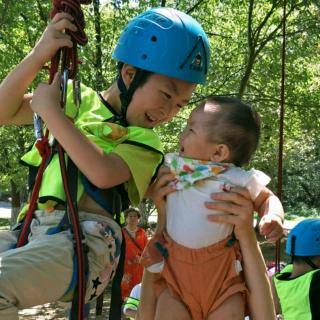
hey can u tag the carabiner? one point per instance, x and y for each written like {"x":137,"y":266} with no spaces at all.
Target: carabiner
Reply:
{"x":37,"y":124}
{"x":64,"y":87}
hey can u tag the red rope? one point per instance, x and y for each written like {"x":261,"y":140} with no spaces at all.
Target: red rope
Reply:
{"x":44,"y":150}
{"x":69,"y":62}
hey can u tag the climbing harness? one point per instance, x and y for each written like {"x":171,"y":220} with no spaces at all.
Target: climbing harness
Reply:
{"x":68,"y":61}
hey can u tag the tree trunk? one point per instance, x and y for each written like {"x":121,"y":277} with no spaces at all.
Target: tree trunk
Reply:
{"x":98,"y":49}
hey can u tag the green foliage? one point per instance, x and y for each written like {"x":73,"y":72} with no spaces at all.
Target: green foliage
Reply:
{"x":4,"y":224}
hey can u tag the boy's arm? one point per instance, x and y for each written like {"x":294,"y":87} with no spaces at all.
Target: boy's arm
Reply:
{"x":103,"y":170}
{"x":14,"y":104}
{"x":270,"y":209}
{"x":157,"y":192}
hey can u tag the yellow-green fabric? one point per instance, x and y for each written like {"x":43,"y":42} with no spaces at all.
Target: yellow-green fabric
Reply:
{"x":139,"y":147}
{"x":294,"y":294}
{"x":132,"y":303}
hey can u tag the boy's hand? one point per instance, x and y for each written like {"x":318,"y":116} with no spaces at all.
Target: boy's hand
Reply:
{"x":46,"y":98}
{"x":161,"y":187}
{"x":54,"y":37}
{"x":271,"y":227}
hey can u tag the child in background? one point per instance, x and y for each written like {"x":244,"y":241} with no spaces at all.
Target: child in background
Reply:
{"x":296,"y":288}
{"x":201,"y":274}
{"x":136,"y":239}
{"x":131,"y":304}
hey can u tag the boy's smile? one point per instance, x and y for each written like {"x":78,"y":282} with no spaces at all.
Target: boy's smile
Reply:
{"x":158,"y":101}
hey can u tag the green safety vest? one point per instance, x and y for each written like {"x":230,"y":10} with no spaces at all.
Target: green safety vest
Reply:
{"x":91,"y":119}
{"x":294,"y":294}
{"x":132,"y":303}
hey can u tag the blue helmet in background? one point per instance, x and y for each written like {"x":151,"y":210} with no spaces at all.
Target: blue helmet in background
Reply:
{"x":167,"y":42}
{"x":304,"y":239}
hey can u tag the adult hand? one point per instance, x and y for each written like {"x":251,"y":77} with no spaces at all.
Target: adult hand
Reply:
{"x":54,"y":37}
{"x":237,"y":207}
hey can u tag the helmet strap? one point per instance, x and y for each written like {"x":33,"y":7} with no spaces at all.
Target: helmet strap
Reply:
{"x":127,"y":94}
{"x":308,"y":261}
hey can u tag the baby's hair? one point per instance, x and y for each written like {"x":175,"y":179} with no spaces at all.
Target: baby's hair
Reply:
{"x":235,"y":124}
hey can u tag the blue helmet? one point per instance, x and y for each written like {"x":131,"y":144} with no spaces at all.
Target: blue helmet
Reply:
{"x":304,"y":239}
{"x":165,"y":41}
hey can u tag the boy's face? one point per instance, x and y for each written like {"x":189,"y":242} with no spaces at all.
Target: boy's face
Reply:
{"x":193,"y":140}
{"x":158,"y":101}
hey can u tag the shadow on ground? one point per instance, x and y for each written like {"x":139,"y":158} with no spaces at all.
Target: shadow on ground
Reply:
{"x":59,"y":311}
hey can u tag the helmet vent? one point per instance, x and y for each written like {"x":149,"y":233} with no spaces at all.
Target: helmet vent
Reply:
{"x":154,"y":39}
{"x":144,"y":57}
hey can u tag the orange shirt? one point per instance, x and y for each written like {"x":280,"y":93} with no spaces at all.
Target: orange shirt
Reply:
{"x":133,"y":270}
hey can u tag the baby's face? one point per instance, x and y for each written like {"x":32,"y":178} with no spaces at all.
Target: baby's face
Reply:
{"x":193,"y":140}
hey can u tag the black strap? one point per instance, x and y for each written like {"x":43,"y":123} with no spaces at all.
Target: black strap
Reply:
{"x":116,"y":296}
{"x":314,"y":293}
{"x":132,"y":239}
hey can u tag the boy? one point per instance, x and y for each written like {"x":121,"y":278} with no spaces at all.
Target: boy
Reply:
{"x":110,"y":140}
{"x":297,"y":287}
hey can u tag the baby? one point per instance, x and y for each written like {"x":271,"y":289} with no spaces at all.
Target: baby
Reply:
{"x":200,"y":260}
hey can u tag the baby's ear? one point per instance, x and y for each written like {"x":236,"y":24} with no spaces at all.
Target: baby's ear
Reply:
{"x":220,"y":153}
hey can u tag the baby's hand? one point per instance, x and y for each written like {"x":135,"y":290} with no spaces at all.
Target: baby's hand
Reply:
{"x":271,"y":226}
{"x":46,"y":98}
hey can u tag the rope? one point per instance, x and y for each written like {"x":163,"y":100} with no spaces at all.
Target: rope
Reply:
{"x":281,"y":129}
{"x":69,"y":63}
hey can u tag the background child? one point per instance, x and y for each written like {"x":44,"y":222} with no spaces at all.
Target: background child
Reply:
{"x":297,"y":286}
{"x":111,"y":141}
{"x":136,"y":240}
{"x":202,"y":275}
{"x":131,"y":304}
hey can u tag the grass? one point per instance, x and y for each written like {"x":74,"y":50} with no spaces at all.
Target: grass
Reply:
{"x":4,"y":224}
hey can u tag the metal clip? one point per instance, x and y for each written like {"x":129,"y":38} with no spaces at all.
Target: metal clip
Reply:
{"x":76,"y":92}
{"x":64,"y":86}
{"x":37,"y":124}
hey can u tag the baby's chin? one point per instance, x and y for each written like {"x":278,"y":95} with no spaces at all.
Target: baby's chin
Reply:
{"x":184,"y":154}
